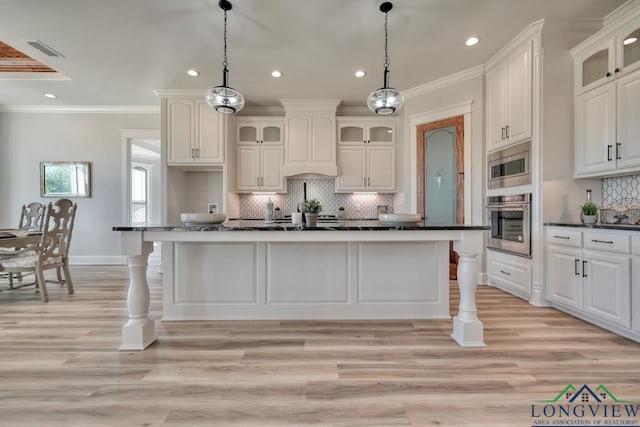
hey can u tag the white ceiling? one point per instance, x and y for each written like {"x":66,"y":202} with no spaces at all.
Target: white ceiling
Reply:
{"x":118,"y":51}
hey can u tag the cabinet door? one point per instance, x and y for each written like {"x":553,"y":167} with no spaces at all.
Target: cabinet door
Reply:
{"x":180,"y":131}
{"x":379,"y":134}
{"x":381,"y":168}
{"x":628,"y":116}
{"x":595,"y":65}
{"x":351,"y":169}
{"x":635,"y":294}
{"x":271,"y":169}
{"x":495,"y":102}
{"x":607,"y":287}
{"x":272,"y":133}
{"x":247,"y":168}
{"x":564,"y":276}
{"x":247,"y":132}
{"x":628,"y":48}
{"x":323,"y":149}
{"x":519,"y":91}
{"x":209,"y":134}
{"x":351,"y":133}
{"x":298,"y":131}
{"x":595,"y":131}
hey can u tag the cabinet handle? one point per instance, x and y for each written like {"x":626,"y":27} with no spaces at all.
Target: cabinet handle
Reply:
{"x":609,"y":147}
{"x":507,"y":131}
{"x":197,"y":152}
{"x":368,"y":181}
{"x":618,"y":145}
{"x":617,"y":70}
{"x":505,"y":272}
{"x":584,"y":263}
{"x":575,"y":266}
{"x":262,"y":181}
{"x":562,"y":237}
{"x":608,"y":74}
{"x":364,"y":181}
{"x":502,"y":133}
{"x":603,"y":241}
{"x":193,"y":153}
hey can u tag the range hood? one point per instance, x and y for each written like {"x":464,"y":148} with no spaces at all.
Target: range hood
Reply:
{"x":310,"y":137}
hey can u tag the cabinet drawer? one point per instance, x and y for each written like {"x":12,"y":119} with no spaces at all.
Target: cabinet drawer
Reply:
{"x":517,"y":275}
{"x":607,"y":242}
{"x":564,"y":237}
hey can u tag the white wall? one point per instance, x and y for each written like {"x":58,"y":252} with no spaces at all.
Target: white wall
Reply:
{"x":28,"y":138}
{"x":562,"y":194}
{"x":438,"y":99}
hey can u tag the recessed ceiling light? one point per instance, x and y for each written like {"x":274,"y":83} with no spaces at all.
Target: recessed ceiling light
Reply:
{"x":472,"y":41}
{"x":276,"y":73}
{"x":360,"y":73}
{"x":629,"y":40}
{"x":50,"y":95}
{"x":193,"y":73}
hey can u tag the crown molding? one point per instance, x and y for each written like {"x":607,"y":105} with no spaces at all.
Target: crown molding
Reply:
{"x":33,"y":76}
{"x":191,"y":93}
{"x":620,"y":13}
{"x":102,"y":109}
{"x":261,"y":111}
{"x":330,"y":105}
{"x":443,"y":82}
{"x":533,"y":30}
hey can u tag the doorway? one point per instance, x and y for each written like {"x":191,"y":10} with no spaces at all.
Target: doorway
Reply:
{"x":440,"y":198}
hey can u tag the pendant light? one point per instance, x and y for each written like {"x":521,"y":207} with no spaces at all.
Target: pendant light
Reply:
{"x":385,"y":100}
{"x":225,"y":99}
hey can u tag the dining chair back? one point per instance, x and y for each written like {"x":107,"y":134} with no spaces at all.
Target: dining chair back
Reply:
{"x":32,"y":216}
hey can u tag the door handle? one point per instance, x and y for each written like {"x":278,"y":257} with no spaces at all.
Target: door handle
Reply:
{"x":562,"y":237}
{"x":575,"y":266}
{"x":507,"y":131}
{"x":364,"y":181}
{"x":618,"y":145}
{"x":609,"y":147}
{"x":193,"y":155}
{"x":198,"y":153}
{"x":502,"y":133}
{"x":584,"y":274}
{"x":602,"y":241}
{"x":505,"y":272}
{"x":368,"y":181}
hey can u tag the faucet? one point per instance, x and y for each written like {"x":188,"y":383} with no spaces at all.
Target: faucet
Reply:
{"x":304,"y":190}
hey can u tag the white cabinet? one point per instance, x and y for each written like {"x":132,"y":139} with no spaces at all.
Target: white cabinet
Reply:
{"x":593,"y":280}
{"x":635,"y":283}
{"x":607,"y":82}
{"x":509,"y":98}
{"x":366,"y":169}
{"x":310,"y":137}
{"x":370,"y":132}
{"x":259,"y":168}
{"x":510,"y":273}
{"x":259,"y":131}
{"x":194,"y":133}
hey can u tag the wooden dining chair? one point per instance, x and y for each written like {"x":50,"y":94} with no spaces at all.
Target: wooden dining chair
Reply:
{"x":52,"y":250}
{"x":32,"y":216}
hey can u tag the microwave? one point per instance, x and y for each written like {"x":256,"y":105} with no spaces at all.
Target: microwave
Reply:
{"x":510,"y":166}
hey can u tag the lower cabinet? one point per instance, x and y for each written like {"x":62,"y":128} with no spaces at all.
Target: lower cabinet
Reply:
{"x":593,"y":283}
{"x":510,"y":273}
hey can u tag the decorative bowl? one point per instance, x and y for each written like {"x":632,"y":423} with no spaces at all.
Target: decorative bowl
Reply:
{"x":202,"y":218}
{"x":399,"y":218}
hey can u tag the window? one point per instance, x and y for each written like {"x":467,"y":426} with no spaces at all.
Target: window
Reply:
{"x":139,"y":199}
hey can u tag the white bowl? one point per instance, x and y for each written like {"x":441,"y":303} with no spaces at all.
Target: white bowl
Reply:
{"x":202,"y":218}
{"x":399,"y":218}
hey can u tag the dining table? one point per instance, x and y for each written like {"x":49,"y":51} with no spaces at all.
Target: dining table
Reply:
{"x":16,"y":238}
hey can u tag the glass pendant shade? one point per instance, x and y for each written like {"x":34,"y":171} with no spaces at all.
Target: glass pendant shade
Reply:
{"x":386,"y":100}
{"x":225,"y":100}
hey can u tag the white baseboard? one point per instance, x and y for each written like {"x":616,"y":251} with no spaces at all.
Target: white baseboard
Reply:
{"x":98,"y":260}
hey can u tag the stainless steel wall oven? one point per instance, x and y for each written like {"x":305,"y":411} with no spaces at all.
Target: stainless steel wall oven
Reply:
{"x":510,"y":221}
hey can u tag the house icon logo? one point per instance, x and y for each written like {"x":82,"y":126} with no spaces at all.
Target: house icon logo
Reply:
{"x":585,"y":405}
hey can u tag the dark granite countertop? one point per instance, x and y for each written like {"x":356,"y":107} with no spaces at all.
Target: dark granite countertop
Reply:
{"x":626,"y":227}
{"x":254,"y":225}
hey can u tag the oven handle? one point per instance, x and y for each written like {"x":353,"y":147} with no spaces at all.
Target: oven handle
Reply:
{"x":509,"y":207}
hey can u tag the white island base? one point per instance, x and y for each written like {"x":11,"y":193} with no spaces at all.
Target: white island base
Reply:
{"x":357,"y":274}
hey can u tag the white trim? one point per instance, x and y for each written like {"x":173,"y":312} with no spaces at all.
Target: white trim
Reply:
{"x":33,"y":76}
{"x":483,"y":278}
{"x":443,"y":82}
{"x":98,"y":260}
{"x":103,"y":109}
{"x":619,"y":14}
{"x":525,"y":35}
{"x":192,"y":93}
{"x":330,"y":105}
{"x":460,"y":109}
{"x":261,"y":112}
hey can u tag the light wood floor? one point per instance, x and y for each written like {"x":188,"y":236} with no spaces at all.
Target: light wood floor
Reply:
{"x":59,"y":365}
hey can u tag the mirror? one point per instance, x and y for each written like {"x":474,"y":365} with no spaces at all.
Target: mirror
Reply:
{"x":68,"y":179}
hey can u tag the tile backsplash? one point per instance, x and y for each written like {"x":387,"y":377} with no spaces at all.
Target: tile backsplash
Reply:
{"x":357,"y":205}
{"x":621,"y":190}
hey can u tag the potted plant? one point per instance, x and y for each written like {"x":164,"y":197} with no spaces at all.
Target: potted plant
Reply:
{"x":311,"y":208}
{"x":589,"y":213}
{"x":277,"y":213}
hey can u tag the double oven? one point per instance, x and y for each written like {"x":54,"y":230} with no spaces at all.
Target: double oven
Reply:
{"x":509,"y":215}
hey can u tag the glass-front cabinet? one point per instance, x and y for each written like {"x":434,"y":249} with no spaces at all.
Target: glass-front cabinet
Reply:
{"x":260,"y":131}
{"x":595,"y":66}
{"x":365,"y":132}
{"x":628,"y":47}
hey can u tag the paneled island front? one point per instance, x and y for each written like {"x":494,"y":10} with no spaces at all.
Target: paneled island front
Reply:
{"x":346,"y":270}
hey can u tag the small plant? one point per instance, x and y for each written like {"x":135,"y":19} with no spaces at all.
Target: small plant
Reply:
{"x":311,"y":206}
{"x":589,"y":208}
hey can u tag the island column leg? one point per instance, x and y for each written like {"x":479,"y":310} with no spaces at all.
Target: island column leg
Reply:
{"x":139,"y":332}
{"x":467,"y":328}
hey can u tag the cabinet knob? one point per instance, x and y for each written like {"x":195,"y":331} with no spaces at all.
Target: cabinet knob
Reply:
{"x":608,"y":74}
{"x":617,"y":70}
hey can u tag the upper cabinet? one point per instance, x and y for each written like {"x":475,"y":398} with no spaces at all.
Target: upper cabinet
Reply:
{"x":194,"y":133}
{"x":509,"y":88}
{"x":260,"y":131}
{"x":371,"y":132}
{"x":607,"y":73}
{"x":310,"y":137}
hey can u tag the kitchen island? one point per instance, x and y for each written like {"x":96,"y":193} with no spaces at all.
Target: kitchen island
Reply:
{"x":344,"y":270}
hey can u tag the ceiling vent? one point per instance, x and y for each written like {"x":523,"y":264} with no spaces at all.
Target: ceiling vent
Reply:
{"x":47,"y":50}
